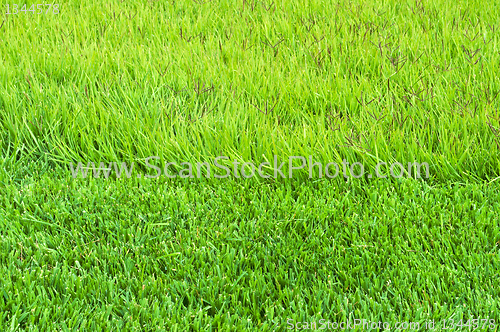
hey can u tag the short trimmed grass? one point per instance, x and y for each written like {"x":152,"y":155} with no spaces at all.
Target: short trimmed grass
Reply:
{"x":147,"y":255}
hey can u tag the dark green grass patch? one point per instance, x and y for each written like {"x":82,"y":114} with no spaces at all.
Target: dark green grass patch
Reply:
{"x":148,"y":255}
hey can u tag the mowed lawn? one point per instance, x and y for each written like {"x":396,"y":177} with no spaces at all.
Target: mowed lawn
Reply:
{"x":188,"y":81}
{"x":147,"y":254}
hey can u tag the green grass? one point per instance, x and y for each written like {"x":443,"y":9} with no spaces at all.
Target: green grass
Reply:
{"x":146,"y":255}
{"x":373,"y":81}
{"x":93,"y":83}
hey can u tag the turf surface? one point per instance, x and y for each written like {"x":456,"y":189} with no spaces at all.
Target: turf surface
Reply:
{"x":145,"y":254}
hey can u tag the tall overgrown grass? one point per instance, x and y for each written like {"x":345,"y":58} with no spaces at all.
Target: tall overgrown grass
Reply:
{"x":189,"y":81}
